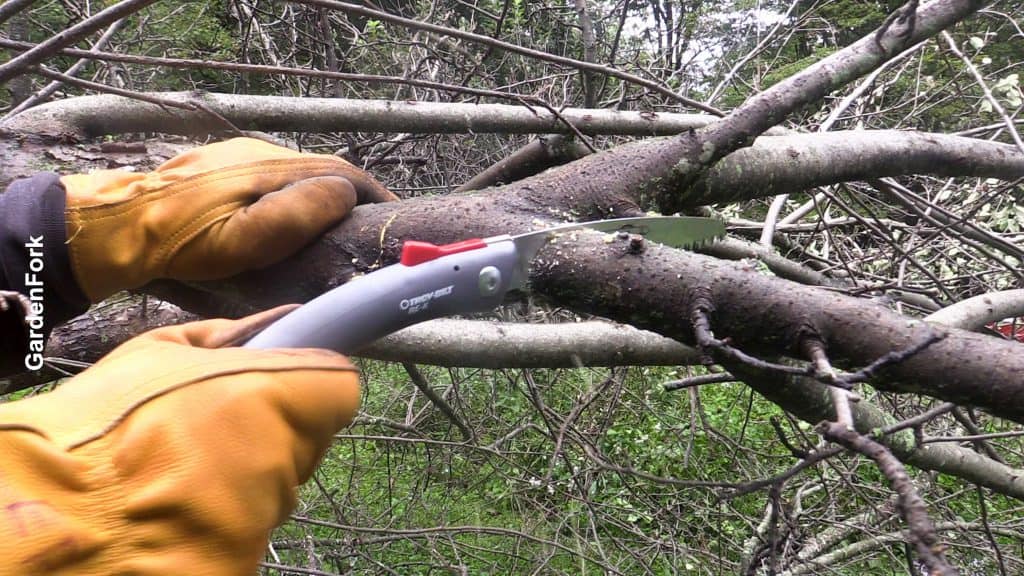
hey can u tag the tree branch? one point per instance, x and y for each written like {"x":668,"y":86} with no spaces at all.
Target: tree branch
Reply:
{"x":810,"y":401}
{"x":44,"y":93}
{"x":92,"y":116}
{"x":811,"y":84}
{"x":912,"y":507}
{"x":975,"y":313}
{"x":650,"y":289}
{"x":11,"y":7}
{"x":533,"y":158}
{"x":443,"y":342}
{"x":802,"y":161}
{"x":20,"y":63}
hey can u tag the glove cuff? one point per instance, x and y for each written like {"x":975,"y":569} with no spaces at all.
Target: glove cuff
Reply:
{"x":34,"y":256}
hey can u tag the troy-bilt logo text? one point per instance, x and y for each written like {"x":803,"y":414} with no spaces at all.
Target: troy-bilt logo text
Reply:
{"x":422,"y":302}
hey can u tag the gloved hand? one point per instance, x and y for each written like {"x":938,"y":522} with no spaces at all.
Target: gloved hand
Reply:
{"x":209,"y":213}
{"x":169,"y":455}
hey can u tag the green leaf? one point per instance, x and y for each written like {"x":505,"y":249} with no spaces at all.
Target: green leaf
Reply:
{"x":977,"y":43}
{"x":1006,"y":83}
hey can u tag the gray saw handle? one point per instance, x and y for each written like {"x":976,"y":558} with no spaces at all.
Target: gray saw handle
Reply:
{"x":359,"y":312}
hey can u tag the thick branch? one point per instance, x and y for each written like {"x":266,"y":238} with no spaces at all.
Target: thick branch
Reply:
{"x":483,"y":344}
{"x":704,"y":148}
{"x":784,"y":164}
{"x":772,"y":165}
{"x":502,"y":345}
{"x":766,"y":314}
{"x":92,"y":116}
{"x":444,"y":342}
{"x":975,"y":313}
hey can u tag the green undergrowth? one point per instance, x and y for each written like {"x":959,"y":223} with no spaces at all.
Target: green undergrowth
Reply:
{"x":424,"y":501}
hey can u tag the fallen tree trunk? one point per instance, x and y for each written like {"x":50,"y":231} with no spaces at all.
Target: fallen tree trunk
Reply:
{"x":652,"y":289}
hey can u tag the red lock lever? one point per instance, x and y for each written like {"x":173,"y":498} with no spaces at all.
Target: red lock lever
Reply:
{"x":415,"y":252}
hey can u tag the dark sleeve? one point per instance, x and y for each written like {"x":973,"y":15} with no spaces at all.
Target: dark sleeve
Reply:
{"x":34,"y":261}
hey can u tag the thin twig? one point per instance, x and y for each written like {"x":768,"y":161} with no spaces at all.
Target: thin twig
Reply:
{"x":701,"y":380}
{"x":45,"y":92}
{"x":983,"y":508}
{"x":44,"y":50}
{"x":919,"y":419}
{"x":814,"y":349}
{"x":700,"y":309}
{"x":975,"y":438}
{"x":509,"y":47}
{"x":228,"y":124}
{"x":474,"y":530}
{"x":572,"y":128}
{"x":784,"y":440}
{"x":979,"y":441}
{"x":196,"y":64}
{"x":992,"y":100}
{"x":894,"y":357}
{"x":747,"y":488}
{"x":912,"y":507}
{"x":104,"y":88}
{"x":424,"y":387}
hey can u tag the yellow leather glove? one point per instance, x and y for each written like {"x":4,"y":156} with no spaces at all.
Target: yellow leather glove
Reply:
{"x":209,"y":213}
{"x":169,"y":455}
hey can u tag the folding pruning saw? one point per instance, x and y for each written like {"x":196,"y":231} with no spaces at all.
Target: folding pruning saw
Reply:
{"x":432,"y":281}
